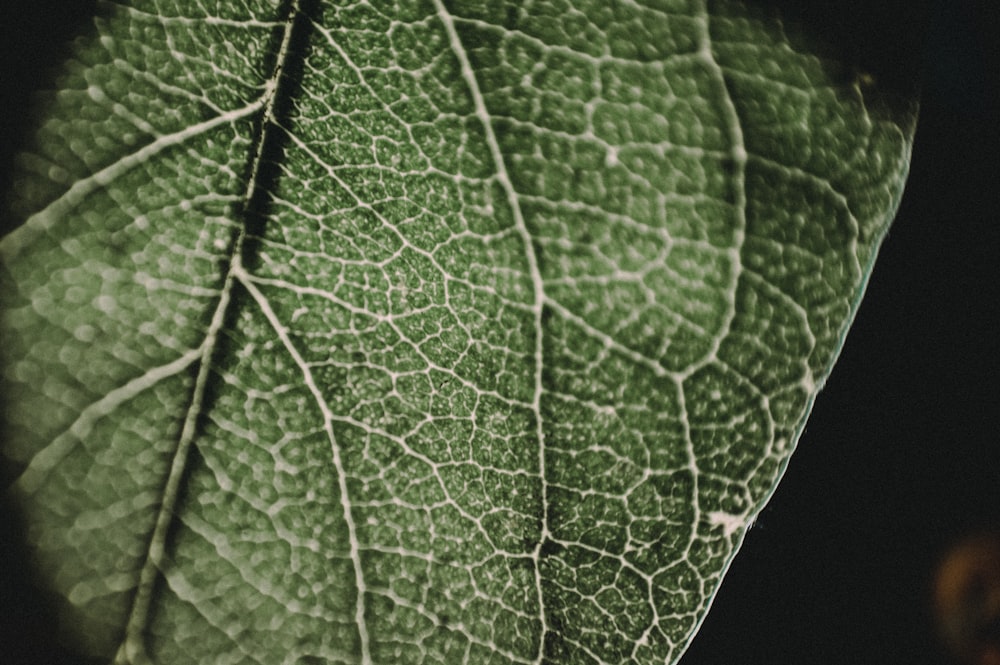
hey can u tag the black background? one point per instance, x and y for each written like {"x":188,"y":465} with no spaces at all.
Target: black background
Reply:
{"x":900,"y":457}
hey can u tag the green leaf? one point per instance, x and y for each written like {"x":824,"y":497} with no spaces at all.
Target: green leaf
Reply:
{"x":438,"y":332}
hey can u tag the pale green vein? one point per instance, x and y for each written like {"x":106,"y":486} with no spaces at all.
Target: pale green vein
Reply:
{"x":738,"y":155}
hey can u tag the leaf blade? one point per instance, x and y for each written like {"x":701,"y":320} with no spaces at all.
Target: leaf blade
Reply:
{"x":585,"y":269}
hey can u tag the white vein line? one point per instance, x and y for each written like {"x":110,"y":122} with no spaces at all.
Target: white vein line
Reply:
{"x":54,"y":213}
{"x":536,"y":279}
{"x":609,"y":342}
{"x":824,"y":183}
{"x":458,"y":628}
{"x":391,"y":322}
{"x":827,"y":186}
{"x":61,"y":446}
{"x":808,"y":380}
{"x":328,"y":419}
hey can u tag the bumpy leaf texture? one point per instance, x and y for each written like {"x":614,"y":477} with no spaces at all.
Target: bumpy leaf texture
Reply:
{"x":437,"y":331}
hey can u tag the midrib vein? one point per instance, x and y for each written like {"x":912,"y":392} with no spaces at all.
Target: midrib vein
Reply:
{"x":469,"y":76}
{"x":133,"y":648}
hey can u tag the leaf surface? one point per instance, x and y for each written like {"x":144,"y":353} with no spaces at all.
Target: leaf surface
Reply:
{"x":425,"y":332}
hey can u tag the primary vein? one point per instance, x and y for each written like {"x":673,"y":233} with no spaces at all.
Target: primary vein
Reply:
{"x":133,"y":647}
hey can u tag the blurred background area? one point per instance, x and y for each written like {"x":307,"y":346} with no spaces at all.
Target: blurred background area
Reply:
{"x":899,"y":466}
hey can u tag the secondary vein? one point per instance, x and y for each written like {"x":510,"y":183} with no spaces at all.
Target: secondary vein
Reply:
{"x":354,"y":544}
{"x":469,"y":76}
{"x":43,"y":220}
